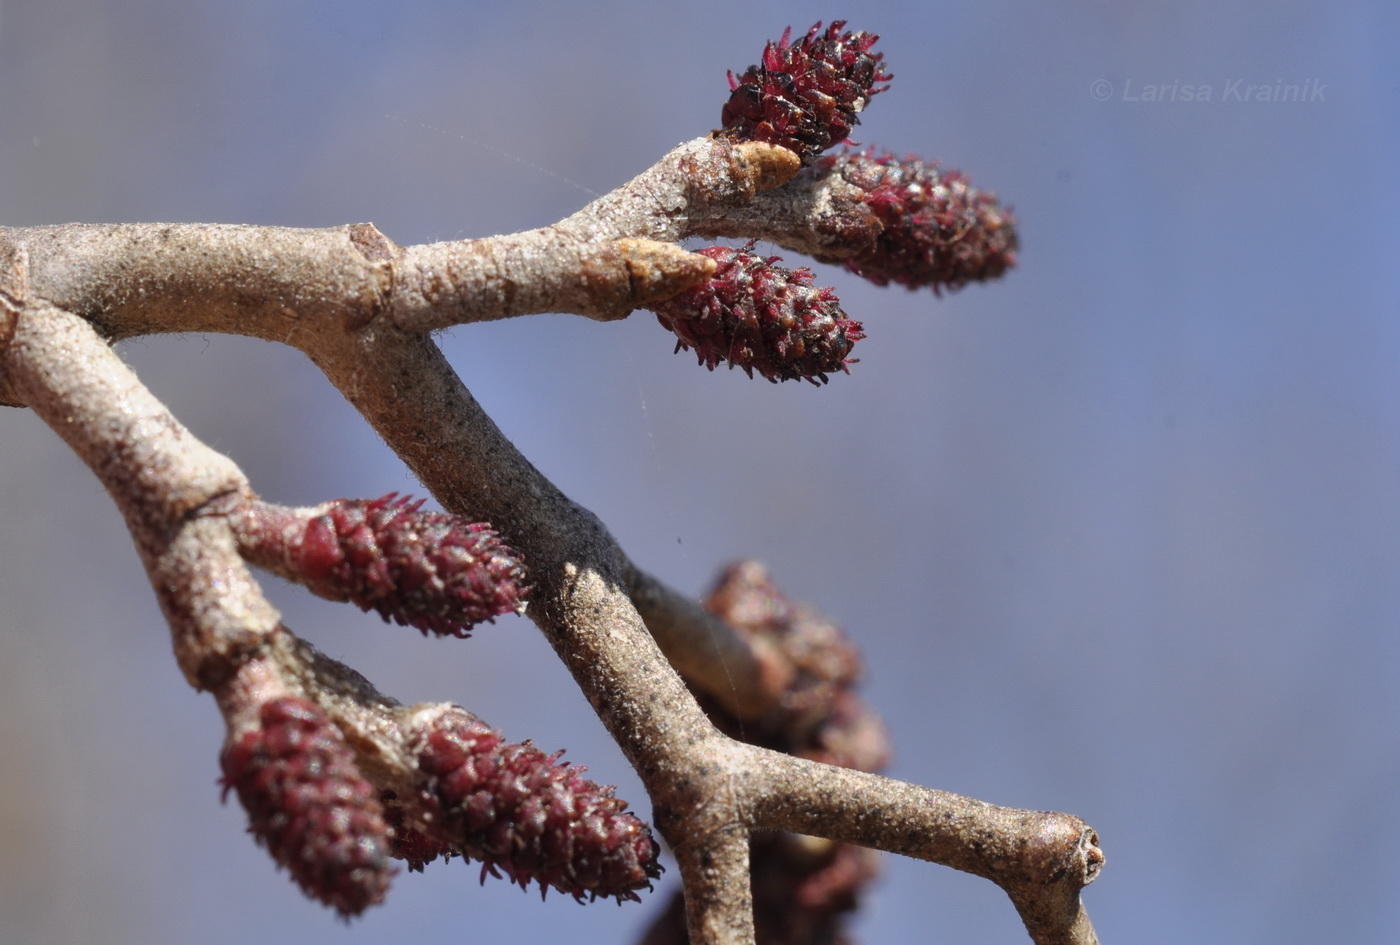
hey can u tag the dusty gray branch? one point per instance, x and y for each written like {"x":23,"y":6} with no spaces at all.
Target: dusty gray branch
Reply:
{"x":1042,"y":859}
{"x":690,"y":771}
{"x":718,"y":909}
{"x":818,"y":213}
{"x":162,"y":478}
{"x":274,"y":282}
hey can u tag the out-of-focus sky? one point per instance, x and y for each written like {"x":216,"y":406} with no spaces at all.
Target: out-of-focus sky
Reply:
{"x":1120,"y":535}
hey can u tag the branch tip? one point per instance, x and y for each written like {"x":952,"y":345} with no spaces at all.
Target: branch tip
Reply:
{"x":936,"y":228}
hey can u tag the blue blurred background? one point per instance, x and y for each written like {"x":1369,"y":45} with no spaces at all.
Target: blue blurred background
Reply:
{"x":1119,"y":534}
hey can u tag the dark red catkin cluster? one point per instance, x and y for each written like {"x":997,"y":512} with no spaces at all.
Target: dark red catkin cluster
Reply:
{"x":820,"y":716}
{"x":802,"y":886}
{"x":309,"y":805}
{"x":763,"y":318}
{"x":424,"y":569}
{"x":525,"y":814}
{"x":938,"y":230}
{"x":805,"y":96}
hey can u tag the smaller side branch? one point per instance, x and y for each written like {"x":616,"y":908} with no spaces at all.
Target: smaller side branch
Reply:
{"x":613,"y":256}
{"x":545,"y":270}
{"x":290,"y":285}
{"x":1040,"y":858}
{"x":818,"y":213}
{"x":746,"y":677}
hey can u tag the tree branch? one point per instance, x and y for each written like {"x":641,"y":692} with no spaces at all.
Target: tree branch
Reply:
{"x":361,"y":308}
{"x":1041,"y":859}
{"x":162,"y":478}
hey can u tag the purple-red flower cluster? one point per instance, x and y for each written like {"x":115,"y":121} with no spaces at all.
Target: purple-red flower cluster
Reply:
{"x":763,"y":318}
{"x":805,"y":96}
{"x":424,"y":569}
{"x":309,"y":805}
{"x":803,"y":887}
{"x":820,"y":716}
{"x":937,"y":229}
{"x":525,"y":814}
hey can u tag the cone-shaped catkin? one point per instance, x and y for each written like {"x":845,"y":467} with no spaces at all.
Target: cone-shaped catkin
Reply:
{"x":525,"y":814}
{"x":429,"y":570}
{"x":763,"y":318}
{"x":805,"y":96}
{"x":820,"y":716}
{"x":938,"y":230}
{"x":309,"y":805}
{"x":803,"y":887}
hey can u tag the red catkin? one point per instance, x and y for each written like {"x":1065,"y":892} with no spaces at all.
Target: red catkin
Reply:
{"x":407,"y":843}
{"x":424,"y":569}
{"x":805,"y":96}
{"x":527,"y":815}
{"x":309,"y":805}
{"x":761,"y":317}
{"x":937,"y":229}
